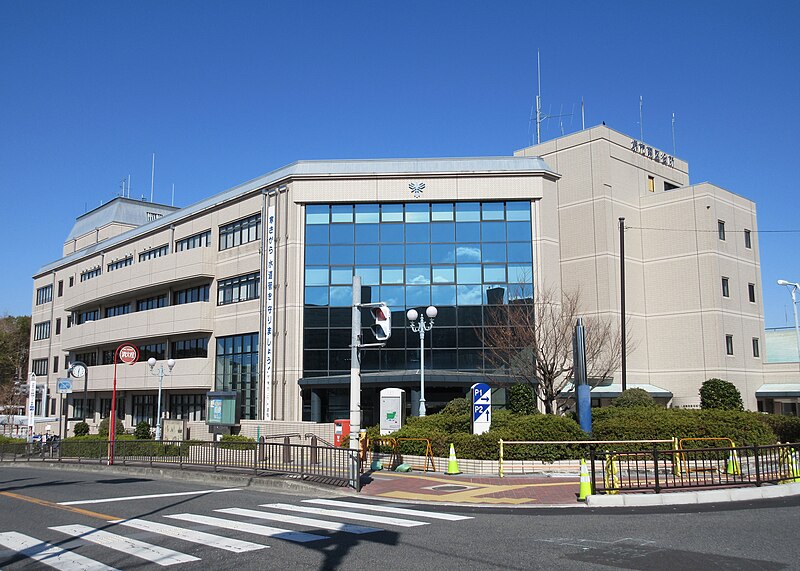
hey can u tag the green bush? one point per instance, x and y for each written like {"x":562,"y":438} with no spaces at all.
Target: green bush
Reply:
{"x":635,"y":397}
{"x":237,"y":442}
{"x":142,"y":431}
{"x":786,"y":428}
{"x":719,"y":394}
{"x":103,"y":428}
{"x":456,"y":407}
{"x":521,"y":399}
{"x":81,"y":429}
{"x":615,"y":423}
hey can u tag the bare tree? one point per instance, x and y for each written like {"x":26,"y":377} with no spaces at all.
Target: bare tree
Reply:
{"x":530,"y":341}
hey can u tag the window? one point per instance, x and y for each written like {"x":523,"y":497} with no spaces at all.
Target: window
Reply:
{"x":44,"y":294}
{"x":151,"y":303}
{"x":78,"y":410}
{"x":89,"y":274}
{"x":651,"y":183}
{"x":58,"y":326}
{"x":751,"y":292}
{"x":240,"y":288}
{"x":55,"y":364}
{"x":156,"y":350}
{"x":117,"y":264}
{"x":105,"y":408}
{"x":71,"y":281}
{"x":144,"y":409}
{"x":91,"y":315}
{"x":154,"y":253}
{"x":726,"y":292}
{"x":191,"y":295}
{"x":729,"y":344}
{"x":115,"y":310}
{"x":236,"y":369}
{"x":200,"y":240}
{"x":756,"y":352}
{"x":89,"y":358}
{"x":188,"y":348}
{"x":39,"y":367}
{"x":721,"y":229}
{"x":41,"y":331}
{"x":747,"y":243}
{"x":240,"y":232}
{"x":190,"y":407}
{"x":60,"y":288}
{"x":69,"y":321}
{"x":153,"y":216}
{"x":670,"y":186}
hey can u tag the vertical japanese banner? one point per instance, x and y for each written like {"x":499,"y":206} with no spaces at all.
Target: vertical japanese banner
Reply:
{"x":269,"y":308}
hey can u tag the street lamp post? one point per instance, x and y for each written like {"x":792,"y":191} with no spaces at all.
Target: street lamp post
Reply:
{"x":160,"y":374}
{"x":794,"y":287}
{"x":421,"y":327}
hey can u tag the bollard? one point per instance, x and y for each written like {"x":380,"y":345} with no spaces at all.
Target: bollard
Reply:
{"x":287,"y":451}
{"x":314,"y":459}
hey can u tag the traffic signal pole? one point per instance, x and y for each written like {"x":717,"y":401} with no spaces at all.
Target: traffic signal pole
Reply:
{"x":355,"y":365}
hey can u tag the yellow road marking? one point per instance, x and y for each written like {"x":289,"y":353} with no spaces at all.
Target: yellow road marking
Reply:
{"x":47,"y":504}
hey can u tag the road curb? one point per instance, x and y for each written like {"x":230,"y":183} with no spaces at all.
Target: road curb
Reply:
{"x":276,"y":483}
{"x":693,"y":498}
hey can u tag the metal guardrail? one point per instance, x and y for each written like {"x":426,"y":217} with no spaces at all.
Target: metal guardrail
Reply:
{"x":329,"y":465}
{"x":668,"y":470}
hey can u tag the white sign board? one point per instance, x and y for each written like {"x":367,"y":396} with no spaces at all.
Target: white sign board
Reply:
{"x":269,"y":322}
{"x":481,"y":408}
{"x":393,"y":407}
{"x":31,"y":404}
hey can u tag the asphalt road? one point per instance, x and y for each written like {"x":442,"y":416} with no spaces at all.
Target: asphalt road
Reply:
{"x":79,"y":520}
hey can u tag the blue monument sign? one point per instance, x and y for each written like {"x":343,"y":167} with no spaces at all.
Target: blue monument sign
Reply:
{"x":481,"y":408}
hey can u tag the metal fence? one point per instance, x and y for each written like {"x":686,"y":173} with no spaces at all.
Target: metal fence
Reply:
{"x":323,"y":464}
{"x":669,"y":470}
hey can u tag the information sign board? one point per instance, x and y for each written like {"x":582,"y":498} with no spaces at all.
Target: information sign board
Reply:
{"x":481,"y":408}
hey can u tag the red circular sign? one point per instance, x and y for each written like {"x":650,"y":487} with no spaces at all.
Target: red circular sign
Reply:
{"x":128,"y":354}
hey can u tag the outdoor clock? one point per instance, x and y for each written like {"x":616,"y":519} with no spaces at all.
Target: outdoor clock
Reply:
{"x":78,"y":371}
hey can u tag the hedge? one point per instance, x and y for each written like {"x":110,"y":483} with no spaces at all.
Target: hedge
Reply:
{"x":96,"y":446}
{"x":786,"y":428}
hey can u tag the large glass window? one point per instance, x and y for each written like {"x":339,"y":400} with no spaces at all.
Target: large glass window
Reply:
{"x":240,"y":232}
{"x":240,"y":288}
{"x":191,"y":295}
{"x":237,"y":370}
{"x":457,"y":256}
{"x":189,"y":348}
{"x":44,"y":294}
{"x":200,"y":240}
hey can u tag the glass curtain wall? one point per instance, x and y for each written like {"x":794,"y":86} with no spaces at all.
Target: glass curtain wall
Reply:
{"x":462,"y":257}
{"x":237,"y":370}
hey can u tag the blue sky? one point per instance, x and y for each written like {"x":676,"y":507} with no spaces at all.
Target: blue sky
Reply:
{"x":223,"y":92}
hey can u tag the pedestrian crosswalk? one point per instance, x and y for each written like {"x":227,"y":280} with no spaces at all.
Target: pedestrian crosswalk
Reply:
{"x":138,"y":539}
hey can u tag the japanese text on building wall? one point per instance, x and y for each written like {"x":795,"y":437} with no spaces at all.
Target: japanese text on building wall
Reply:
{"x":269,"y":312}
{"x":640,"y":148}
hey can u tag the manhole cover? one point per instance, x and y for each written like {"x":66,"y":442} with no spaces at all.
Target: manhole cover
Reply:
{"x":449,"y":488}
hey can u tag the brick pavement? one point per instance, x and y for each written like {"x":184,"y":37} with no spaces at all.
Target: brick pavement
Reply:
{"x":469,"y":489}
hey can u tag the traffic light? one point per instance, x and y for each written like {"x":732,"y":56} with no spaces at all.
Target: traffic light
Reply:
{"x":383,"y":321}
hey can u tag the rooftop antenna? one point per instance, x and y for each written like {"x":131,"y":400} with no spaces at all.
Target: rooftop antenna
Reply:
{"x":152,"y":177}
{"x":129,"y":186}
{"x":641,"y":119}
{"x":673,"y":135}
{"x":583,"y":116}
{"x":122,"y":186}
{"x":172,"y":202}
{"x":539,"y":115}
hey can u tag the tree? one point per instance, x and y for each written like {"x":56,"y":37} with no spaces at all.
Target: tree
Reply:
{"x":521,"y":399}
{"x":142,"y":431}
{"x":719,"y":394}
{"x":635,"y":397}
{"x":15,"y":335}
{"x":530,"y":341}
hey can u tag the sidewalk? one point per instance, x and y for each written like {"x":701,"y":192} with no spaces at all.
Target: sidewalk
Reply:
{"x":468,"y":489}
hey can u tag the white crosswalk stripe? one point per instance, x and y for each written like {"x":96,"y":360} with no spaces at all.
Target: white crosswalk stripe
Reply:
{"x":201,"y":537}
{"x":48,"y":554}
{"x":388,"y":509}
{"x":133,"y":547}
{"x":255,"y":529}
{"x":307,"y":521}
{"x":396,"y":521}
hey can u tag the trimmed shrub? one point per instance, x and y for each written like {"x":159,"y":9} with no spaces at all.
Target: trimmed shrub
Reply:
{"x":786,"y":428}
{"x":521,"y":399}
{"x":142,"y":431}
{"x":456,"y":407}
{"x":655,"y":423}
{"x":81,"y":429}
{"x":237,"y":442}
{"x":103,"y":428}
{"x":719,"y":394}
{"x":635,"y":397}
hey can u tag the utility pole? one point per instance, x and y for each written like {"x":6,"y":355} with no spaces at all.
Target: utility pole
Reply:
{"x":622,"y":301}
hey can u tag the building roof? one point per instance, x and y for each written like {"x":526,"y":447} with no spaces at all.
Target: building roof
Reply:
{"x":775,"y":390}
{"x":120,"y":210}
{"x":308,"y":169}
